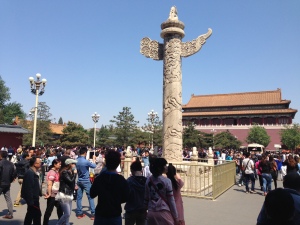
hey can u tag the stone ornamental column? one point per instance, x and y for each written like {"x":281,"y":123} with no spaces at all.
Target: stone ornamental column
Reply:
{"x":171,"y":52}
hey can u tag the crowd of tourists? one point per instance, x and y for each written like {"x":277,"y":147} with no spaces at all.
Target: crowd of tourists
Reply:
{"x":61,"y":176}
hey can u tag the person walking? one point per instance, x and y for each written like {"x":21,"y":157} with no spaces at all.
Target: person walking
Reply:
{"x":159,"y":196}
{"x":21,"y":167}
{"x":84,"y":183}
{"x":99,"y":162}
{"x":67,"y":178}
{"x":135,"y":209}
{"x":265,"y":169}
{"x":112,"y":190}
{"x":7,"y":176}
{"x":177,"y":184}
{"x":260,"y":179}
{"x":31,"y":192}
{"x":248,"y":168}
{"x":291,"y":164}
{"x":52,"y":189}
{"x":279,"y":165}
{"x":274,"y":170}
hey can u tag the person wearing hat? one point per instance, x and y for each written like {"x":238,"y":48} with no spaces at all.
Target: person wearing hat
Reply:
{"x":66,"y":189}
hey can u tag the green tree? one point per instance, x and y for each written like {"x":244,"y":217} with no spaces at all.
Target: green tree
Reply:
{"x":60,"y":121}
{"x":44,"y":135}
{"x":191,"y":137}
{"x":205,"y":139}
{"x":290,"y":136}
{"x":154,"y":126}
{"x":141,"y":137}
{"x":43,"y":112}
{"x":8,"y":111}
{"x":104,"y":136}
{"x":4,"y":93}
{"x":226,"y":140}
{"x":258,"y":135}
{"x":74,"y":135}
{"x":124,"y":126}
{"x":11,"y":110}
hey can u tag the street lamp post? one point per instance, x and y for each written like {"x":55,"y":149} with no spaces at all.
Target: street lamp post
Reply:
{"x":95,"y":118}
{"x":37,"y":88}
{"x":151,"y":117}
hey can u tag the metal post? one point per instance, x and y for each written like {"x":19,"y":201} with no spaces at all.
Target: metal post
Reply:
{"x":95,"y":136}
{"x":95,"y":118}
{"x":35,"y":117}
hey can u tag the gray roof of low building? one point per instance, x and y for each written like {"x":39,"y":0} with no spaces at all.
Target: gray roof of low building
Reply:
{"x":13,"y":129}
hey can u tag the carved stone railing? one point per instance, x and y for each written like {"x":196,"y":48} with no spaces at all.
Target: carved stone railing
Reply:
{"x":201,"y":179}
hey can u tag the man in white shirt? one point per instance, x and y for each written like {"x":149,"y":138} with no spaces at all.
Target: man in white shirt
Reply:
{"x":248,"y":168}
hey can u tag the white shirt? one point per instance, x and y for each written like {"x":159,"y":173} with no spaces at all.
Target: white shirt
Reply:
{"x":248,"y":165}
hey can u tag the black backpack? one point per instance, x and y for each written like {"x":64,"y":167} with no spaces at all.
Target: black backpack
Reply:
{"x":21,"y":167}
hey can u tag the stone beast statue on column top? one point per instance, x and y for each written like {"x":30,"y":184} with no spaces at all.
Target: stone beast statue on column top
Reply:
{"x":171,"y":52}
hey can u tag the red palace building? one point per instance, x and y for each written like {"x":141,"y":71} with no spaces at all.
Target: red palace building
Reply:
{"x":237,"y":113}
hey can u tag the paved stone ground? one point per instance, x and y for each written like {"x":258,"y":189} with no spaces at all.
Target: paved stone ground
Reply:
{"x":232,"y":208}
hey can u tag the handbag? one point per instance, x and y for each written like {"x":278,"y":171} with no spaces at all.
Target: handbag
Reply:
{"x":55,"y":187}
{"x":63,"y":197}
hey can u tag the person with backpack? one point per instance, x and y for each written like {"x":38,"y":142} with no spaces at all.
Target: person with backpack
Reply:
{"x":136,"y":211}
{"x":7,"y":176}
{"x":21,"y":167}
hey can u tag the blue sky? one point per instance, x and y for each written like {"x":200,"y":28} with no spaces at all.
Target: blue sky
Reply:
{"x":89,"y":52}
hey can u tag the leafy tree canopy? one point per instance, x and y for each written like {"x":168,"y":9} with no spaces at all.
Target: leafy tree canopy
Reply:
{"x":11,"y":110}
{"x":60,"y":121}
{"x":191,"y":137}
{"x":4,"y":93}
{"x":290,"y":136}
{"x":74,"y":135}
{"x":43,"y":112}
{"x":259,"y":135}
{"x":225,"y":140}
{"x":125,"y":126}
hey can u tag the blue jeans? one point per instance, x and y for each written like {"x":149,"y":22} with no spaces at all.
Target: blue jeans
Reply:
{"x":67,"y":208}
{"x":248,"y":178}
{"x":105,"y":221}
{"x":267,"y":180}
{"x":84,"y":186}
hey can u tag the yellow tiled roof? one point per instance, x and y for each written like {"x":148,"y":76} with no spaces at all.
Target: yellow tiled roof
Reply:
{"x":244,"y":112}
{"x":236,"y":99}
{"x":57,"y":128}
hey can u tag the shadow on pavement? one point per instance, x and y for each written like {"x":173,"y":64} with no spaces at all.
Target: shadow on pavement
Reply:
{"x":11,"y":222}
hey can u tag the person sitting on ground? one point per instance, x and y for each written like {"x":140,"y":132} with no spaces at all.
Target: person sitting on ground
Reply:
{"x":291,"y":184}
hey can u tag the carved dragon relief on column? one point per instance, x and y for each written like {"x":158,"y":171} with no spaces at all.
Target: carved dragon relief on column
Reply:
{"x":192,"y":47}
{"x":171,"y":53}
